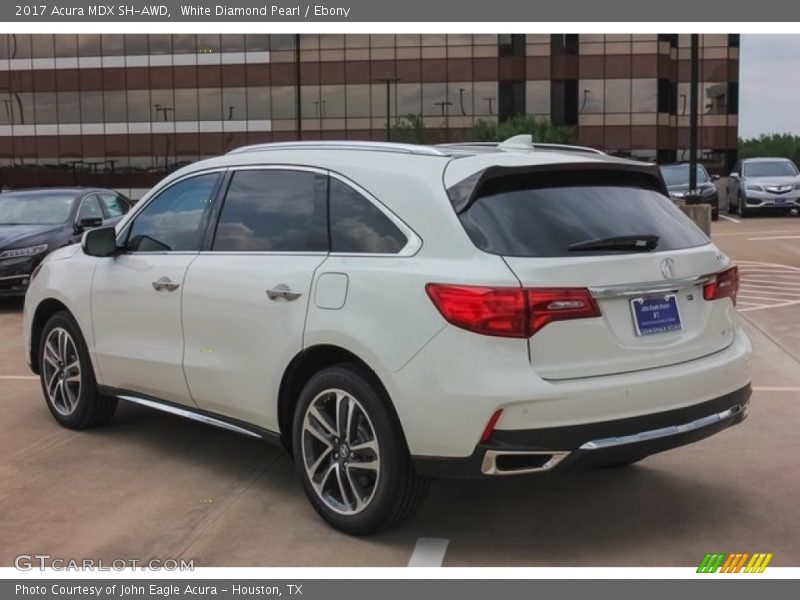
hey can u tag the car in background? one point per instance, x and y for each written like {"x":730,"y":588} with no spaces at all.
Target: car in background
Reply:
{"x":35,"y":222}
{"x":763,"y":183}
{"x":677,"y":179}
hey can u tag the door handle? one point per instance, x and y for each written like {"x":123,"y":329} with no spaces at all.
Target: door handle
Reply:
{"x":282,"y":292}
{"x":165,"y":283}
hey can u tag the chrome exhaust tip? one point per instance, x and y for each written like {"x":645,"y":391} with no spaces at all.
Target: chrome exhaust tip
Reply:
{"x":510,"y":462}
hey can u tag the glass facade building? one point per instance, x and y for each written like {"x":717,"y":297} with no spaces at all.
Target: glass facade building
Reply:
{"x":121,"y":111}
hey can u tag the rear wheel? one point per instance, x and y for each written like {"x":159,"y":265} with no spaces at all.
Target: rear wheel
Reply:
{"x":67,"y":377}
{"x":350,"y":452}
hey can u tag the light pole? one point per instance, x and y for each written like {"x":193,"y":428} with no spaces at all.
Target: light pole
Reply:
{"x":388,"y":81}
{"x":694,"y":76}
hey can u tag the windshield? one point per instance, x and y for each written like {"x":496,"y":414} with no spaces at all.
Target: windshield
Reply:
{"x":770,"y":168}
{"x":37,"y":208}
{"x":679,"y":174}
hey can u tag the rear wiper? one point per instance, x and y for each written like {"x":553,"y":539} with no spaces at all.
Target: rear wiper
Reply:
{"x":630,"y":243}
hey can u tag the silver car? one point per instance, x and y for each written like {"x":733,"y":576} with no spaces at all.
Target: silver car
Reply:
{"x":763,"y":183}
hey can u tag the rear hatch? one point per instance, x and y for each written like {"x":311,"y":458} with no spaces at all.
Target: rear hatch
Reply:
{"x":613,"y":234}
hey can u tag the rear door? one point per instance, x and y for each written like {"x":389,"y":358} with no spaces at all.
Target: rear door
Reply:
{"x":245,"y":296}
{"x":643,"y":262}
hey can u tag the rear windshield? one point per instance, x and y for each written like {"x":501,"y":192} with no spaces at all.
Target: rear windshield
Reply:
{"x":547,"y":221}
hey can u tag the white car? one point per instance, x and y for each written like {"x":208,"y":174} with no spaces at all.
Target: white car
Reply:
{"x":394,"y":312}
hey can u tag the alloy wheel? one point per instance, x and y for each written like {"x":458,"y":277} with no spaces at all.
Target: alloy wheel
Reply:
{"x":61,"y":371}
{"x":340,"y":452}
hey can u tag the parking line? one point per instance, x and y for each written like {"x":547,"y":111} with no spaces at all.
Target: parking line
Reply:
{"x":731,"y":219}
{"x":774,"y":237}
{"x":18,"y":377}
{"x":776,"y":389}
{"x":428,"y":552}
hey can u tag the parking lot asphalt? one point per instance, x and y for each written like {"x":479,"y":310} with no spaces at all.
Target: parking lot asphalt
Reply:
{"x":150,"y":485}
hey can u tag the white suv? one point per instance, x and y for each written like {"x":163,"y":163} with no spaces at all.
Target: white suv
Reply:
{"x":394,"y":312}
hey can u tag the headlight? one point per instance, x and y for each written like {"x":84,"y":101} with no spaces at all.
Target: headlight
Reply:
{"x":22,"y":252}
{"x":755,"y":188}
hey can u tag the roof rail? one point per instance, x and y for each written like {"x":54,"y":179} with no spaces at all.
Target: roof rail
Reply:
{"x":523,"y":142}
{"x":344,"y":145}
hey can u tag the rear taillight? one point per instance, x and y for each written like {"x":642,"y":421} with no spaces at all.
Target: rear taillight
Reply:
{"x":724,"y":285}
{"x":507,"y":311}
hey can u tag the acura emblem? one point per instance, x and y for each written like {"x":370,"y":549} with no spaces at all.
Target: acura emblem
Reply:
{"x":668,"y":268}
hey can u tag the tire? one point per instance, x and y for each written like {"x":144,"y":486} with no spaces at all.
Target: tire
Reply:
{"x":368,"y":499}
{"x":67,"y":377}
{"x":743,"y":212}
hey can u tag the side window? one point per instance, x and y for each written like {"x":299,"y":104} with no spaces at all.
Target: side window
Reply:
{"x":358,"y":226}
{"x":113,"y":205}
{"x":90,"y":208}
{"x":172,"y":221}
{"x":273,"y":210}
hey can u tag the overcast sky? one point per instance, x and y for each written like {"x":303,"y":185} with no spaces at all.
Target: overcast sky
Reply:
{"x":769,"y":87}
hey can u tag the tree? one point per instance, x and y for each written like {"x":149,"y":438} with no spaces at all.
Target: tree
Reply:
{"x":409,"y":129}
{"x":542,"y":130}
{"x":776,"y":144}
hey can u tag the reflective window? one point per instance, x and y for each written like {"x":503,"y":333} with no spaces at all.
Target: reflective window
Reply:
{"x":114,"y":106}
{"x":184,"y":43}
{"x":591,"y":96}
{"x":273,"y":211}
{"x":357,"y":225}
{"x":409,"y":99}
{"x":20,"y":45}
{"x":69,"y":107}
{"x":208,"y":43}
{"x":45,"y":107}
{"x":357,"y":97}
{"x":113,"y":44}
{"x":139,"y":105}
{"x":232,"y":42}
{"x":256,"y":42}
{"x":258,"y":103}
{"x":209,"y":102}
{"x":537,"y":97}
{"x":172,"y":221}
{"x":281,"y":42}
{"x":618,"y":96}
{"x":234,"y":104}
{"x":282,"y":102}
{"x":114,"y":206}
{"x":135,"y":44}
{"x":42,"y":46}
{"x":186,"y":104}
{"x":644,"y":95}
{"x":91,"y":104}
{"x":90,"y":209}
{"x":161,"y":43}
{"x":88,"y":44}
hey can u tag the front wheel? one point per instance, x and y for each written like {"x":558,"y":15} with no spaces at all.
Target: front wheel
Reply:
{"x":743,"y":212}
{"x":350,"y":452}
{"x":67,"y":377}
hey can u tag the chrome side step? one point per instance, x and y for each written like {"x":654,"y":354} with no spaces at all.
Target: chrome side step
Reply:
{"x":189,"y":414}
{"x":653,"y":434}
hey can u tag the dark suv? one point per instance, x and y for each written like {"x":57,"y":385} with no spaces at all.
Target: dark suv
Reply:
{"x":37,"y":221}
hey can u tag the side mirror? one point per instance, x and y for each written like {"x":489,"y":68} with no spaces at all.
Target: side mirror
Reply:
{"x":715,"y":178}
{"x":100,"y":242}
{"x":88,"y":223}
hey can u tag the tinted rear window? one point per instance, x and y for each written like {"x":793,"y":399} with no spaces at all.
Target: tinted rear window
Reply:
{"x":545,"y":221}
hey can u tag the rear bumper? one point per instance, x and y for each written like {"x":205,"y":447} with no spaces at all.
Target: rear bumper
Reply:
{"x":519,"y":452}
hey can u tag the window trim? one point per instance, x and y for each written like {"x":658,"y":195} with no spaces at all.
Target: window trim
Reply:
{"x":413,"y":241}
{"x":206,"y":219}
{"x":83,"y":201}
